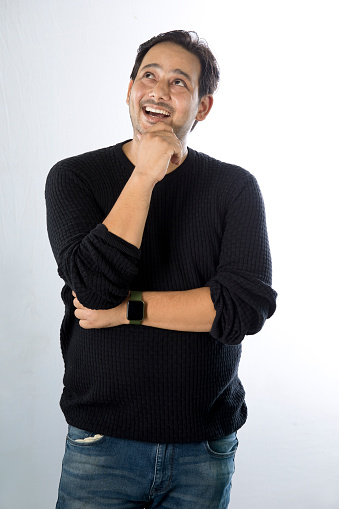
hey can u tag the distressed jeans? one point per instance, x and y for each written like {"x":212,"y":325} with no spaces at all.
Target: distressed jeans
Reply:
{"x":104,"y":472}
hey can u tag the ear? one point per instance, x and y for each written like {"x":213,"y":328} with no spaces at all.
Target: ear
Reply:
{"x":205,"y":106}
{"x":130,"y":85}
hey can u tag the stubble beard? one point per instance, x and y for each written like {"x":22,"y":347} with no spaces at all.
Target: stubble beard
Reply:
{"x":181,"y":131}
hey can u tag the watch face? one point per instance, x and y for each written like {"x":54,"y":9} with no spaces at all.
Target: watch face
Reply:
{"x":135,"y":310}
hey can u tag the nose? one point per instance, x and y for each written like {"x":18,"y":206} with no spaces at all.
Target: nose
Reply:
{"x":160,"y":91}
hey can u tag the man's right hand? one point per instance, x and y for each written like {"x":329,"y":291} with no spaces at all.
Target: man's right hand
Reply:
{"x":158,"y":147}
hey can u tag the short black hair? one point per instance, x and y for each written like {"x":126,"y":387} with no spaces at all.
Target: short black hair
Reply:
{"x":209,"y":75}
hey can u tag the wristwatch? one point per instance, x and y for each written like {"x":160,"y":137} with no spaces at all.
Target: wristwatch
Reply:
{"x":135,"y":308}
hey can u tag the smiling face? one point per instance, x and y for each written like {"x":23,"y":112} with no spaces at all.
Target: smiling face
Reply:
{"x":166,"y":89}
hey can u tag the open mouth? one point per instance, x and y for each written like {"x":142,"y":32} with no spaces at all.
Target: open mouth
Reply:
{"x":155,"y":112}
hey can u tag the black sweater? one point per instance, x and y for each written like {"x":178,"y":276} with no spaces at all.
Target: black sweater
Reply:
{"x":205,"y":227}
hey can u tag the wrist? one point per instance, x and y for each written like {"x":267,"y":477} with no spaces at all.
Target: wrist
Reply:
{"x":123,"y":314}
{"x":142,"y":177}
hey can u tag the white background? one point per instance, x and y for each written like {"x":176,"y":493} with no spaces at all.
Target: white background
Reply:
{"x":65,"y":68}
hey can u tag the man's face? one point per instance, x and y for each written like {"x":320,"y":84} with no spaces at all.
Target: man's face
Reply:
{"x":166,"y":89}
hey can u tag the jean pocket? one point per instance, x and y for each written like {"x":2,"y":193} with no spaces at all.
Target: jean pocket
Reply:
{"x":224,"y":447}
{"x":81,"y":437}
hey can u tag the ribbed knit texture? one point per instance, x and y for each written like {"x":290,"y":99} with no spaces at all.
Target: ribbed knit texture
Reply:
{"x":205,"y":227}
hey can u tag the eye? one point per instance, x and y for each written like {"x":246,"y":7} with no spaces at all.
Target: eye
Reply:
{"x":179,"y":82}
{"x":149,"y":75}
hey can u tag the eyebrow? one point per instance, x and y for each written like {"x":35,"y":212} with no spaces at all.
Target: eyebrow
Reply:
{"x":174,"y":71}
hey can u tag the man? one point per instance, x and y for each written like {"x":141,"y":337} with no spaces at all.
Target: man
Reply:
{"x":166,"y":263}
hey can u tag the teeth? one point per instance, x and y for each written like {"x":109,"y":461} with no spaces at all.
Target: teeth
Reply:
{"x":162,"y":112}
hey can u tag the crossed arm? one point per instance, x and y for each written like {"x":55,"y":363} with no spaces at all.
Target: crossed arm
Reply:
{"x":188,"y":311}
{"x":191,"y":310}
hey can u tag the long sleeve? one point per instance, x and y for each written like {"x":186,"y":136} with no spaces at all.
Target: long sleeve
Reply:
{"x":206,"y":223}
{"x":93,"y":262}
{"x":241,"y":288}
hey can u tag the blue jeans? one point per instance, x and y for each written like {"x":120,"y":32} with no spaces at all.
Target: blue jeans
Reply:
{"x":104,"y":472}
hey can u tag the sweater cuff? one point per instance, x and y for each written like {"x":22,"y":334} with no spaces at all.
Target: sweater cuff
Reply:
{"x":117,"y":242}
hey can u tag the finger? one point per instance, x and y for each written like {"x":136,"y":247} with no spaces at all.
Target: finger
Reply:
{"x":85,"y":324}
{"x":176,"y":157}
{"x":168,"y":133}
{"x":81,"y":314}
{"x":78,"y":304}
{"x":73,"y":293}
